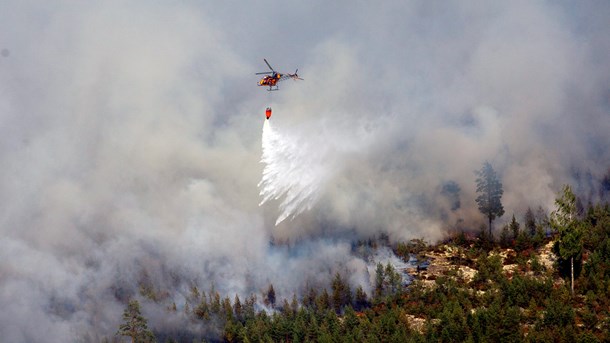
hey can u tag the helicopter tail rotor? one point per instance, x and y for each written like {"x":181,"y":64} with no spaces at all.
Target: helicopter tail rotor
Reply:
{"x":295,"y":76}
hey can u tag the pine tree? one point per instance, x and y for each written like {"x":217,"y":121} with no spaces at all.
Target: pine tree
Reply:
{"x":135,"y":325}
{"x":514,"y":228}
{"x":237,"y":308}
{"x":309,"y":300}
{"x":342,"y":294}
{"x":394,"y":280}
{"x":286,"y":309}
{"x":484,"y":240}
{"x":202,"y":310}
{"x":323,"y":301}
{"x":249,"y":312}
{"x":294,"y":305}
{"x":542,"y":224}
{"x":270,"y":296}
{"x":505,"y":237}
{"x":566,"y":222}
{"x":379,"y":281}
{"x":523,"y":241}
{"x":530,"y":222}
{"x":227,"y":309}
{"x":215,"y":305}
{"x":194,"y":296}
{"x":361,"y":301}
{"x":490,"y":192}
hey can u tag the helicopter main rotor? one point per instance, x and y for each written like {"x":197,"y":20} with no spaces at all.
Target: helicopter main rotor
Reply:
{"x":267,"y":72}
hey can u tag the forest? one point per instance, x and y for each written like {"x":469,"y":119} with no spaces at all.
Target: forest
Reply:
{"x":516,"y":287}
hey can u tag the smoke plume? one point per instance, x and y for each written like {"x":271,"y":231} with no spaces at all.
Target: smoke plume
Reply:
{"x":130,"y":142}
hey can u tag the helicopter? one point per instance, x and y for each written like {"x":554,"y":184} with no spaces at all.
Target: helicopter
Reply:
{"x":275,"y":77}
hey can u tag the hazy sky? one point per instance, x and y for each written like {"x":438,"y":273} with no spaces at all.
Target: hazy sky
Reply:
{"x":130,"y":138}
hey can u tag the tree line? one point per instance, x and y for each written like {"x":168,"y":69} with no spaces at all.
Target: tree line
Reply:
{"x":568,"y":302}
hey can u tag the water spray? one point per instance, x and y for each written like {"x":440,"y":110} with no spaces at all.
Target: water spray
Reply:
{"x":293,"y":172}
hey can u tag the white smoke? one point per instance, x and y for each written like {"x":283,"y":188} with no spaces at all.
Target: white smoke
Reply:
{"x":130,"y":152}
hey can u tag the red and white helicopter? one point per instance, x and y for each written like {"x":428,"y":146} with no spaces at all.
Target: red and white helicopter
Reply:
{"x":274,"y":77}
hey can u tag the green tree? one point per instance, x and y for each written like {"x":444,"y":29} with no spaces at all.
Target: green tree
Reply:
{"x":270,"y":297}
{"x":135,"y":325}
{"x":505,"y":241}
{"x":514,"y":228}
{"x":490,"y":192}
{"x":309,"y":300}
{"x":361,"y":301}
{"x":484,"y":241}
{"x":530,"y":222}
{"x":323,"y":301}
{"x":488,"y":268}
{"x":227,"y":309}
{"x":202,"y":310}
{"x":523,"y":241}
{"x":248,"y":308}
{"x":238,"y":309}
{"x":565,"y":221}
{"x":342,"y":294}
{"x":215,"y":305}
{"x":379,"y":281}
{"x":294,"y":305}
{"x":453,"y":325}
{"x":394,"y":280}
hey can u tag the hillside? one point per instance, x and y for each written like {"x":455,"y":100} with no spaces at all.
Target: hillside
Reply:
{"x":465,"y":289}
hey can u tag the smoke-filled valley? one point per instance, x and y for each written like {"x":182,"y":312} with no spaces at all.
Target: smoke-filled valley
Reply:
{"x":133,"y":160}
